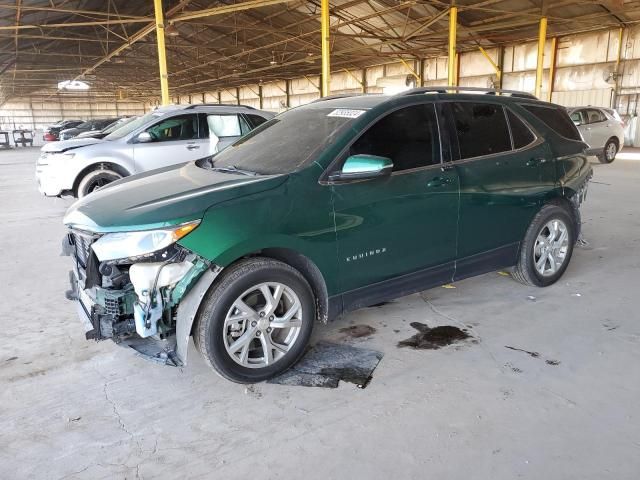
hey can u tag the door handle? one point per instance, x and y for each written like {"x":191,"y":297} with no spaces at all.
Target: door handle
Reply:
{"x":534,"y":162}
{"x":193,"y":147}
{"x":438,"y":182}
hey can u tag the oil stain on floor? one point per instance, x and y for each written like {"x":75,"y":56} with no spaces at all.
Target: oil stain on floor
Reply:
{"x":326,"y":364}
{"x":358,"y":331}
{"x":429,"y":338}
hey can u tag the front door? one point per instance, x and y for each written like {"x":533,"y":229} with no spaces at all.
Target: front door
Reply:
{"x":504,"y":172}
{"x":173,"y":140}
{"x":397,"y":231}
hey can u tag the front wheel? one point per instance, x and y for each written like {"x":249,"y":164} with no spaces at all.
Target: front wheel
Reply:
{"x":256,"y":321}
{"x":547,"y":247}
{"x":95,"y":180}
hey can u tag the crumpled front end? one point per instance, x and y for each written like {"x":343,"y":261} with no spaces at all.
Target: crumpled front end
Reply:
{"x":136,"y":301}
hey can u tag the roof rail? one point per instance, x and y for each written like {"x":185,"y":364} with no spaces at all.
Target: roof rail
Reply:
{"x":486,"y":91}
{"x":340,"y":95}
{"x":196,"y":105}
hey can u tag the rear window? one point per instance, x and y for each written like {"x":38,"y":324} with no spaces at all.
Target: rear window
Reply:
{"x":481,"y":129}
{"x":520,"y":133}
{"x":556,"y":119}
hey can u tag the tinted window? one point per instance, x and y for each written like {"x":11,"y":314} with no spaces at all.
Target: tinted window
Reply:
{"x":180,"y":127}
{"x":595,"y":116}
{"x":409,"y":137}
{"x":481,"y":129}
{"x":556,"y":119}
{"x":256,"y":120}
{"x":520,"y":133}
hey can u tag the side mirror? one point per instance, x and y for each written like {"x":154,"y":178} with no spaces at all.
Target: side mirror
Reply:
{"x":144,"y":137}
{"x":577,"y":123}
{"x":363,"y":167}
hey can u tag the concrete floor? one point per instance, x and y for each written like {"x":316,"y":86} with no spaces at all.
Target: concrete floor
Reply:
{"x":76,"y":409}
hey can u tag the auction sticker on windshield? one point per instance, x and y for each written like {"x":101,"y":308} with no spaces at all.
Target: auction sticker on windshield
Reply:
{"x":346,"y":113}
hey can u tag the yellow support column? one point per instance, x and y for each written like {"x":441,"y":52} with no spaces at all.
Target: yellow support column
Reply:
{"x":453,"y":25}
{"x":326,"y":68}
{"x":162,"y":52}
{"x":552,"y":67}
{"x":542,"y":37}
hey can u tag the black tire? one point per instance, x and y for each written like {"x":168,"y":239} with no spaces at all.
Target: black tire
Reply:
{"x":525,"y":271}
{"x":94,"y":180}
{"x":208,"y":332}
{"x":609,"y":152}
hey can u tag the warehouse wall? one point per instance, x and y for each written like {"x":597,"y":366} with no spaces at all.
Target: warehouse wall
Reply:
{"x":39,"y":111}
{"x":583,"y":66}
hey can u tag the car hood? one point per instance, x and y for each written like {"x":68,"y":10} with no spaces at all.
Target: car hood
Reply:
{"x":162,"y":198}
{"x":65,"y":145}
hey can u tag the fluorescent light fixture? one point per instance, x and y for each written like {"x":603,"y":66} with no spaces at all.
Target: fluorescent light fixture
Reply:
{"x":73,"y":85}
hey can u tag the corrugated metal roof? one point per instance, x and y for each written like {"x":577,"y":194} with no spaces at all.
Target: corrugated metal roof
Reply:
{"x":276,"y":41}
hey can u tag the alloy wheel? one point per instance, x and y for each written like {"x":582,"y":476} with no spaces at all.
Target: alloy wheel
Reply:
{"x":551,"y":247}
{"x":611,"y":151}
{"x":262,"y":325}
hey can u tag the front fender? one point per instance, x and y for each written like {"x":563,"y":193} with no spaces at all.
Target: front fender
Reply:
{"x":188,"y":310}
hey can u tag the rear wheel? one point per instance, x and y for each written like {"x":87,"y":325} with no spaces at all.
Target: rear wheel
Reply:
{"x":610,"y":151}
{"x":256,"y":321}
{"x":95,"y":180}
{"x":547,"y":247}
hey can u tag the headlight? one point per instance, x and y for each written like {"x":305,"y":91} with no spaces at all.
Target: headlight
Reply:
{"x":114,"y":246}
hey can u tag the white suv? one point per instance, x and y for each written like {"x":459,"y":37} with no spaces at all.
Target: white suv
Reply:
{"x":601,"y":128}
{"x":164,"y":137}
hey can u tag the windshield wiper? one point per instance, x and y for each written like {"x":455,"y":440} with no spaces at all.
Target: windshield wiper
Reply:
{"x":233,"y":169}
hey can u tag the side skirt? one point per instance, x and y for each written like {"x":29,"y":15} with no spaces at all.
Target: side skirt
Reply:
{"x":425,"y":279}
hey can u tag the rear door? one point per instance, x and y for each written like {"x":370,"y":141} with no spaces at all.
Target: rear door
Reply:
{"x":599,"y":128}
{"x":218,"y":131}
{"x":504,"y":170}
{"x":174,"y":140}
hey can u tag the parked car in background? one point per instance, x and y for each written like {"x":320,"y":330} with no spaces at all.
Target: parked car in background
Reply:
{"x":602,"y":129}
{"x":107,"y":130}
{"x":329,"y":207}
{"x":164,"y":137}
{"x":94,"y":125}
{"x":52,"y":132}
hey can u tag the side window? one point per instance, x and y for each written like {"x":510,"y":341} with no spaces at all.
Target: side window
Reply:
{"x":244,"y":125}
{"x":256,"y":119}
{"x":577,"y":117}
{"x":556,"y":119}
{"x":180,"y":127}
{"x":222,"y":125}
{"x":481,"y":129}
{"x":409,"y":137}
{"x":520,"y":133}
{"x":595,"y":116}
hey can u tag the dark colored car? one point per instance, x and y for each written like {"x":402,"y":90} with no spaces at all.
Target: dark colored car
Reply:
{"x":326,"y":208}
{"x":52,"y":132}
{"x":107,"y":130}
{"x":88,"y":126}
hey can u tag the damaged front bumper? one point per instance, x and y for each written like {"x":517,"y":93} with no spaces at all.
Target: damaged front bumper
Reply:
{"x":146,"y":304}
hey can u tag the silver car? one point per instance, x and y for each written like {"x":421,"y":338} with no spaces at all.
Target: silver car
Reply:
{"x":164,"y":137}
{"x":601,"y":128}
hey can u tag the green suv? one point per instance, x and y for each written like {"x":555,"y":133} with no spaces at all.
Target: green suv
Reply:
{"x":329,"y":207}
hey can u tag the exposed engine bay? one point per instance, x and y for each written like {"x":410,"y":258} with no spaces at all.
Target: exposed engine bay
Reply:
{"x":132,"y":301}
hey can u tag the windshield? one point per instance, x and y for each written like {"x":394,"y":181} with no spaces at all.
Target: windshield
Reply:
{"x":283,"y":144}
{"x":127,"y":128}
{"x":118,"y":124}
